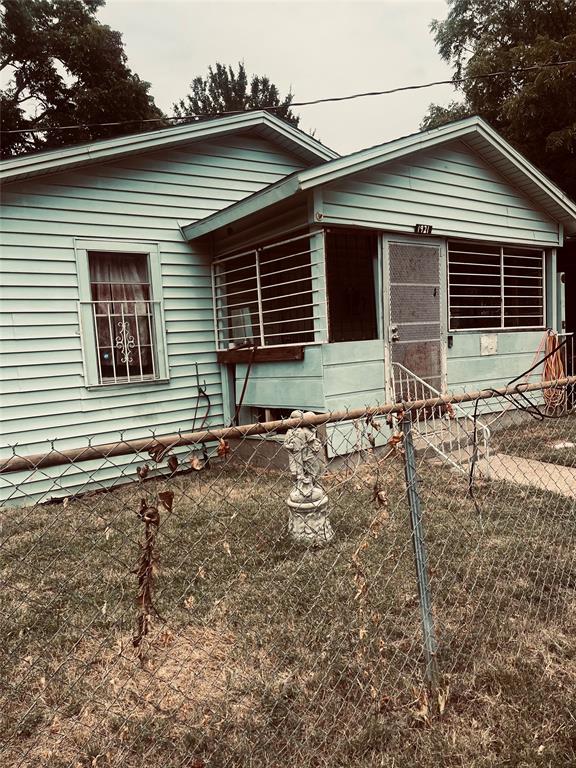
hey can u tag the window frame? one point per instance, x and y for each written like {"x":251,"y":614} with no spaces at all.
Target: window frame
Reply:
{"x":501,"y":327}
{"x":82,"y":248}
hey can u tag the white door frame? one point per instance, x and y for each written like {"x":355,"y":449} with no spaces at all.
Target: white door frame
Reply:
{"x":440,"y":243}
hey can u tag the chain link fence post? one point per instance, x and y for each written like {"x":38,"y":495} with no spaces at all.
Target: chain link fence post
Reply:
{"x":420,"y":555}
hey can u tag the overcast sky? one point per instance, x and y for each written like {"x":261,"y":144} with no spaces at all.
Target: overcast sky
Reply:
{"x":317,"y":48}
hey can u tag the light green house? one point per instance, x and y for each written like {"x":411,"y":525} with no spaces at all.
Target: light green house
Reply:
{"x":136,"y":272}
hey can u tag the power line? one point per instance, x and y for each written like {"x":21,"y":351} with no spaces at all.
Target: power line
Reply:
{"x":328,"y":99}
{"x":453,"y":81}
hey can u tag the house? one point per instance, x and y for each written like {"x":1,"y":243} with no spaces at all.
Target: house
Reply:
{"x":239,"y":258}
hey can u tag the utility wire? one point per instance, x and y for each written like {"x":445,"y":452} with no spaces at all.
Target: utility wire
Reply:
{"x":453,"y":81}
{"x":329,"y":99}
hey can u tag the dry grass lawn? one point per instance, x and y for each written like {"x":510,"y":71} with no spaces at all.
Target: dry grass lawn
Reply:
{"x":266,"y":655}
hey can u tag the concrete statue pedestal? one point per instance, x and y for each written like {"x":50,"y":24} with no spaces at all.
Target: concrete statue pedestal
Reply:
{"x":308,"y":521}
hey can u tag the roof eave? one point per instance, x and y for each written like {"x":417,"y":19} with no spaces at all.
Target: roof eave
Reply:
{"x":559,"y":206}
{"x":384,"y":153}
{"x":60,"y":160}
{"x":543,"y":191}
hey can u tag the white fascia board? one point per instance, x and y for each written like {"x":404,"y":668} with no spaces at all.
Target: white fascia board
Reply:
{"x":253,"y":204}
{"x":59,"y":160}
{"x":384,"y":153}
{"x":547,"y":186}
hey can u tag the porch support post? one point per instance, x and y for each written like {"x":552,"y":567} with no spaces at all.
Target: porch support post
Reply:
{"x":319,"y":284}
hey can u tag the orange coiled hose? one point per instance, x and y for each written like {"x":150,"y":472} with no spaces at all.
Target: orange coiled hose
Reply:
{"x":555,"y":397}
{"x":553,"y":368}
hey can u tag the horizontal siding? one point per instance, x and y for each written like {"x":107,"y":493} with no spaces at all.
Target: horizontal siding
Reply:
{"x":54,"y":219}
{"x":353,"y":378}
{"x":348,"y":437}
{"x":72,"y":437}
{"x":54,"y":483}
{"x":143,"y":198}
{"x":293,"y":392}
{"x":168,"y":415}
{"x":354,"y":374}
{"x":448,"y":187}
{"x":284,"y":385}
{"x":469,"y":370}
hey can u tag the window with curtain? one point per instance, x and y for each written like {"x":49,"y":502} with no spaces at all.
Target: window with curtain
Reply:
{"x":123,"y":316}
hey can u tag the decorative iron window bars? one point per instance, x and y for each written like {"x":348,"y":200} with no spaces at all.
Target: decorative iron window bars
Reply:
{"x":125,"y":335}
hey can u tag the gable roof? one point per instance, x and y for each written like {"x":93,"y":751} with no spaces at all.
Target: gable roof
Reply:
{"x":261,"y":122}
{"x":473,"y":131}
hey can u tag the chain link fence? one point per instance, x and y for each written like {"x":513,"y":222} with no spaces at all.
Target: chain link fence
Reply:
{"x":159,"y":610}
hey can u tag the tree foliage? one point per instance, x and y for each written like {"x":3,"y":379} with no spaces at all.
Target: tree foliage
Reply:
{"x":225,"y":90}
{"x":62,"y":67}
{"x":439,"y":115}
{"x":534,"y":110}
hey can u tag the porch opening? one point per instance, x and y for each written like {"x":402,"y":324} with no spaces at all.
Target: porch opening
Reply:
{"x":351,"y":263}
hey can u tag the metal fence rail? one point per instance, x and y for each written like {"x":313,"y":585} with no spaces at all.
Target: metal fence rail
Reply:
{"x":319,"y":591}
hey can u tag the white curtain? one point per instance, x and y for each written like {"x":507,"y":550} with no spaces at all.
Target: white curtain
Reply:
{"x":119,"y":283}
{"x":119,"y":277}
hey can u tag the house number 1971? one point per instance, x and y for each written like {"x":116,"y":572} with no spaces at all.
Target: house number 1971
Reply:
{"x":423,"y":229}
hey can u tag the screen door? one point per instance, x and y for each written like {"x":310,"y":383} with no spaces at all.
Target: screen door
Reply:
{"x":415,"y":329}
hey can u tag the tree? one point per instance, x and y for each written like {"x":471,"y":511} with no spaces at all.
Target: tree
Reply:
{"x":63,"y":67}
{"x":536,"y":109}
{"x":225,"y":90}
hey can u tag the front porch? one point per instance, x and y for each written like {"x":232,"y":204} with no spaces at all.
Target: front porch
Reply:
{"x":316,"y":321}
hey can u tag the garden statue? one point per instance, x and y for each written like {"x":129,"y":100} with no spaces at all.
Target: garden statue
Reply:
{"x":308,"y":521}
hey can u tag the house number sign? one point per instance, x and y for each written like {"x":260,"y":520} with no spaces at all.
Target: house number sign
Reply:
{"x":423,"y":229}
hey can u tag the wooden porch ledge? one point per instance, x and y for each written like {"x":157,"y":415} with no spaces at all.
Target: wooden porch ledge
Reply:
{"x":262,"y":355}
